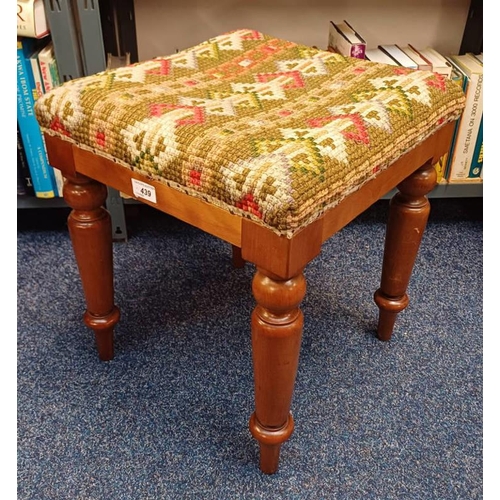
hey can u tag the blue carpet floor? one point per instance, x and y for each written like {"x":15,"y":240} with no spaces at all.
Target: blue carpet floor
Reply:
{"x":168,"y":417}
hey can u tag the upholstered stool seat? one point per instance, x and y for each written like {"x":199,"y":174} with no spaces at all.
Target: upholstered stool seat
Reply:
{"x":270,"y":145}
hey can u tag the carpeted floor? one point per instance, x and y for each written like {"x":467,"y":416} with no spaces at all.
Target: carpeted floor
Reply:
{"x":168,"y":417}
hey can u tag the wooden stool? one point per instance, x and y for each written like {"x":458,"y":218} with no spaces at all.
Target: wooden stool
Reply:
{"x":269,"y":145}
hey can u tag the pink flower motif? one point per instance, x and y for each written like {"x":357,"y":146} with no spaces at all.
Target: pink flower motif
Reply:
{"x":57,"y":126}
{"x":248,"y":204}
{"x":284,"y":112}
{"x":358,"y":70}
{"x":195,"y":177}
{"x":437,"y":81}
{"x":162,"y":69}
{"x":100,"y":138}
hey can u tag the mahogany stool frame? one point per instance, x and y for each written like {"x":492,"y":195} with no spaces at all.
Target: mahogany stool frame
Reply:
{"x":278,"y":285}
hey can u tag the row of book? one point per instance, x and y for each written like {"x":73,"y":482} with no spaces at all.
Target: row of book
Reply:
{"x":37,"y":73}
{"x":464,"y":160}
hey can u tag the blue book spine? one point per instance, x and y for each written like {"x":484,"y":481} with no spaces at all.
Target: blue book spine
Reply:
{"x":42,"y":174}
{"x":476,"y":166}
{"x":461,"y":78}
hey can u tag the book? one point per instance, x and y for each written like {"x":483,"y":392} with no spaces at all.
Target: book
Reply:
{"x":24,"y":184}
{"x":468,"y":128}
{"x":458,"y":76}
{"x":343,"y":39}
{"x":394,"y":53}
{"x":37,"y":74}
{"x":479,"y":57}
{"x":398,"y":55}
{"x":31,"y":19}
{"x":21,"y":190}
{"x":48,"y":67}
{"x":476,"y":167}
{"x":49,"y":74}
{"x":377,"y":55}
{"x":422,"y":63}
{"x":439,"y":62}
{"x":42,"y":173}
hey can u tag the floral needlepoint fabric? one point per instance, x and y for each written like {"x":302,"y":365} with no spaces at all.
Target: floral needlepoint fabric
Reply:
{"x":263,"y":127}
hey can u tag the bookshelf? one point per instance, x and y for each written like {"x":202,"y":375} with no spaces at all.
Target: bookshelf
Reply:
{"x":137,"y":27}
{"x":78,"y":37}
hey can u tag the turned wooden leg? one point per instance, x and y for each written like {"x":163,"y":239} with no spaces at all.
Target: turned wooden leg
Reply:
{"x":90,"y":230}
{"x":238,"y":261}
{"x":276,"y":335}
{"x":408,"y":214}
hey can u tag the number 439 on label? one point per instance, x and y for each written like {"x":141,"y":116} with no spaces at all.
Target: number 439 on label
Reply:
{"x":143,"y":190}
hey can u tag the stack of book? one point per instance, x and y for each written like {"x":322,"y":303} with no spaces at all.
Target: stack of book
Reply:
{"x":37,"y":73}
{"x":464,"y":161}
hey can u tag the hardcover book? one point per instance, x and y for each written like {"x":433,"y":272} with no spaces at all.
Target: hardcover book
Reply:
{"x":31,"y":19}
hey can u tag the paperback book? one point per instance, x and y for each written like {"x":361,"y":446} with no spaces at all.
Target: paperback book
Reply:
{"x":42,"y":173}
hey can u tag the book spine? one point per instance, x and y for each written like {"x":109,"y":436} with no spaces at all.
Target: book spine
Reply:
{"x":461,"y":78}
{"x":37,"y":75}
{"x":49,"y":71}
{"x":41,"y":172}
{"x":338,"y":42}
{"x":27,"y":19}
{"x":399,"y":56}
{"x":476,"y":168}
{"x":54,"y":73}
{"x":22,"y":167}
{"x":468,"y":130}
{"x":50,"y":76}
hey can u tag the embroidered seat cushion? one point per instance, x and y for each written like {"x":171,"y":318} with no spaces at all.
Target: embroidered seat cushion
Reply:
{"x":263,"y":127}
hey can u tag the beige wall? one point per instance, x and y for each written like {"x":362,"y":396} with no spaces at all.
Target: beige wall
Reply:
{"x":164,"y":26}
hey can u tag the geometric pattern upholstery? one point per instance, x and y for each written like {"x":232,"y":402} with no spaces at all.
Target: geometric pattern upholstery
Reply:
{"x":260,"y":126}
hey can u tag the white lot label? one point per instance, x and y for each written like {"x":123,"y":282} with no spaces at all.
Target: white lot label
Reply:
{"x":143,"y":190}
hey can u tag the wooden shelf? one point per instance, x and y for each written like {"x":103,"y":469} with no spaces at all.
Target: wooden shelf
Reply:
{"x":471,"y":190}
{"x":454,"y":190}
{"x":33,"y":202}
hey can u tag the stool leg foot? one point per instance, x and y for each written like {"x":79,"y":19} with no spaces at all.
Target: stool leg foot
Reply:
{"x":276,"y":336}
{"x":408,"y":214}
{"x":90,"y":230}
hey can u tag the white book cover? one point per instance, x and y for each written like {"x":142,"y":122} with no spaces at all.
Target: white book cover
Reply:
{"x":377,"y":55}
{"x":396,"y":53}
{"x":37,"y":75}
{"x":422,"y":63}
{"x":31,"y":19}
{"x":48,"y":67}
{"x":439,"y":63}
